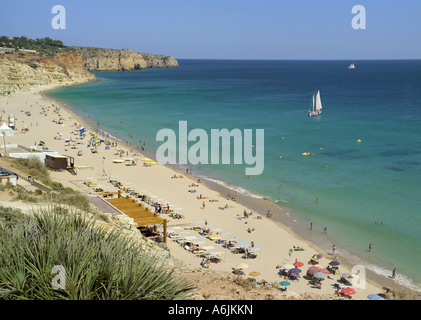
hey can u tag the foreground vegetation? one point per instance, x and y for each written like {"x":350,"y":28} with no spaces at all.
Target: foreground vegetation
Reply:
{"x":63,"y":195}
{"x":99,"y":263}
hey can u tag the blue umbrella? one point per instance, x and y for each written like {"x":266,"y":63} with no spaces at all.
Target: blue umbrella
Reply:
{"x":285,"y":283}
{"x":294,"y":270}
{"x":334,"y":263}
{"x":374,"y":297}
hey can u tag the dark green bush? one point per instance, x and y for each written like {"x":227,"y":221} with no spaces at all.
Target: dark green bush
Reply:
{"x":99,"y":264}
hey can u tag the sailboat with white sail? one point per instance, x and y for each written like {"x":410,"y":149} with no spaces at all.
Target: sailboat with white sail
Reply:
{"x":317,"y":105}
{"x":351,"y":66}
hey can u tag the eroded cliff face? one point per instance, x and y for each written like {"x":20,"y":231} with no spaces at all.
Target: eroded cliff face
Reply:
{"x":31,"y":72}
{"x":97,"y":59}
{"x":21,"y":72}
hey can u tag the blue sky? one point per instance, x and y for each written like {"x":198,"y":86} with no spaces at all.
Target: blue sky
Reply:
{"x":227,"y":29}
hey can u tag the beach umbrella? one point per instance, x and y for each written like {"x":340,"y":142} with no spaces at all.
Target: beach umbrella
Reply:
{"x":285,"y":283}
{"x":42,"y":142}
{"x":288,"y":266}
{"x":323,"y":270}
{"x":320,"y":275}
{"x":348,"y":291}
{"x":298,"y":264}
{"x":374,"y":297}
{"x":312,"y":270}
{"x":243,"y":243}
{"x":334,"y":263}
{"x":225,"y":234}
{"x":317,"y":257}
{"x":294,"y":270}
{"x":254,"y":273}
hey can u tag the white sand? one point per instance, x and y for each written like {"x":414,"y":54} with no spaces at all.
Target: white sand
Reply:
{"x":274,"y":240}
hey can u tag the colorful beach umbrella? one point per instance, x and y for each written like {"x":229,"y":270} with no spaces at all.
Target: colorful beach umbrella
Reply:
{"x":298,"y":264}
{"x":323,"y":270}
{"x":320,"y":275}
{"x":317,"y":257}
{"x":294,"y":270}
{"x":348,"y":291}
{"x":254,"y":273}
{"x":312,"y":270}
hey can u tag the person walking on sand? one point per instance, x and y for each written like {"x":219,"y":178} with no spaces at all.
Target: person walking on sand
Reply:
{"x":203,"y":204}
{"x":394,"y":273}
{"x":333,"y":249}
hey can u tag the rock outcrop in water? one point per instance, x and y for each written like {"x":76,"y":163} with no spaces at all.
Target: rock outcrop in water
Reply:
{"x":97,"y":59}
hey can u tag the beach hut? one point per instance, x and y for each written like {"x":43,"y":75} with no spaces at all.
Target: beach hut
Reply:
{"x":56,"y":162}
{"x":11,"y":177}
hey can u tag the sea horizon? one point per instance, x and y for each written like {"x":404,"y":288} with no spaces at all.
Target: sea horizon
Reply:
{"x":144,"y":96}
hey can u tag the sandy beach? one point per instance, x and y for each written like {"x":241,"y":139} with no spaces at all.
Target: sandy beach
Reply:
{"x":275,"y":239}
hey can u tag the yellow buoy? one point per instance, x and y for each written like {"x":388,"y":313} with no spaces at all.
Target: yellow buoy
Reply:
{"x":358,"y":140}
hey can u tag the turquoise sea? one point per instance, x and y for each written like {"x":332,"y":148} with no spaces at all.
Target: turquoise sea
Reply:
{"x":357,"y":183}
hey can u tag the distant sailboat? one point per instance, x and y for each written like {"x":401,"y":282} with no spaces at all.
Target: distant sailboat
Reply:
{"x":351,"y":66}
{"x":317,"y":105}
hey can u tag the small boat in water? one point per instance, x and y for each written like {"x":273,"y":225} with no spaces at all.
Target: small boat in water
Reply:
{"x":351,"y":66}
{"x":317,"y":105}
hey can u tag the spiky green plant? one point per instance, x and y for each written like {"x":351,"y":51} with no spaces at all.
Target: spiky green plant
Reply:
{"x":99,"y":263}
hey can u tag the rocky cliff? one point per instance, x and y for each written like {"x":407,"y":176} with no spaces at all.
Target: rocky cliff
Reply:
{"x":97,"y":59}
{"x":30,"y":72}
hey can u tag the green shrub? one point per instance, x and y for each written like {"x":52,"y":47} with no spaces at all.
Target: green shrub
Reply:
{"x":99,"y":264}
{"x":33,"y":65}
{"x":11,"y":216}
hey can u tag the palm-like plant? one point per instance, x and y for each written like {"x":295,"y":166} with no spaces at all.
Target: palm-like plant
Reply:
{"x":99,"y":263}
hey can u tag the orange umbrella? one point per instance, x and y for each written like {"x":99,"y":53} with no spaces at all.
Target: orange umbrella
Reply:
{"x":298,"y":264}
{"x":348,"y":291}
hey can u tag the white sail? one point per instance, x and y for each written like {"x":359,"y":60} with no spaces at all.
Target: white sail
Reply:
{"x":318,"y":101}
{"x":313,"y":103}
